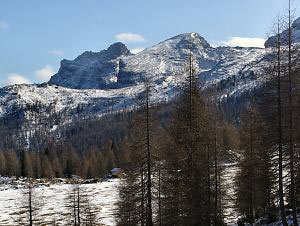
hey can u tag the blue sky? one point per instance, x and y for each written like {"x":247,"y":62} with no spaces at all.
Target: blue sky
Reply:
{"x":35,"y":35}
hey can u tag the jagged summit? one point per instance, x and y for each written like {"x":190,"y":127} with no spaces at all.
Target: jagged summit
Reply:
{"x":112,"y":52}
{"x":116,"y":50}
{"x":189,"y":40}
{"x":90,"y":69}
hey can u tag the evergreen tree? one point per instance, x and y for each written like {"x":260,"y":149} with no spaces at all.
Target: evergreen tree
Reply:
{"x":139,"y":178}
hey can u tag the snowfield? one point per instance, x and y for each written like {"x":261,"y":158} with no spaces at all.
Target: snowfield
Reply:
{"x":104,"y":195}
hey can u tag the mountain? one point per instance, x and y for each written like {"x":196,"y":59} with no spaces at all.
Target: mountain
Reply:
{"x":91,"y":70}
{"x":164,"y":61}
{"x":101,"y":82}
{"x":271,"y":42}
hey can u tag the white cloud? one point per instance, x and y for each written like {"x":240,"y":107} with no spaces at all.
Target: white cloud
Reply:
{"x":14,"y":78}
{"x":44,"y":73}
{"x":137,"y":50}
{"x":3,"y":24}
{"x":56,"y":52}
{"x":244,"y":42}
{"x":130,"y":37}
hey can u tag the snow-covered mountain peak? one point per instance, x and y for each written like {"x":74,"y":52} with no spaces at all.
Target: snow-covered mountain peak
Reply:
{"x":163,"y":63}
{"x":189,"y":40}
{"x":112,"y":52}
{"x":116,"y":67}
{"x":97,"y":82}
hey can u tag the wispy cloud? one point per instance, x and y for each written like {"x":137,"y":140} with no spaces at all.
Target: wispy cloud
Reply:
{"x":244,"y":42}
{"x":14,"y":78}
{"x":3,"y":24}
{"x":44,"y":73}
{"x":137,"y":50}
{"x":130,"y":37}
{"x":56,"y":52}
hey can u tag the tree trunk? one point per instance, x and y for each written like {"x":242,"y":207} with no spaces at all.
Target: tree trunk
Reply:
{"x":78,"y":206}
{"x":216,"y":174}
{"x":30,"y":206}
{"x":280,"y":181}
{"x":74,"y":205}
{"x":251,"y":169}
{"x":208,"y":188}
{"x":159,"y":193}
{"x":291,"y":142}
{"x":149,"y":171}
{"x":142,"y":200}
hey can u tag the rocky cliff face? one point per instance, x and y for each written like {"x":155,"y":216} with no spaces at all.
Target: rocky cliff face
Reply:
{"x":91,"y":70}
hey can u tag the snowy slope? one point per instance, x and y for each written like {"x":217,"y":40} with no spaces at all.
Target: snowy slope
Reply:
{"x":61,"y":98}
{"x":111,"y":79}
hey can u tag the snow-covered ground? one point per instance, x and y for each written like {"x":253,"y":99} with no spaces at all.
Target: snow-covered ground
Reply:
{"x":104,"y":195}
{"x":230,"y":213}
